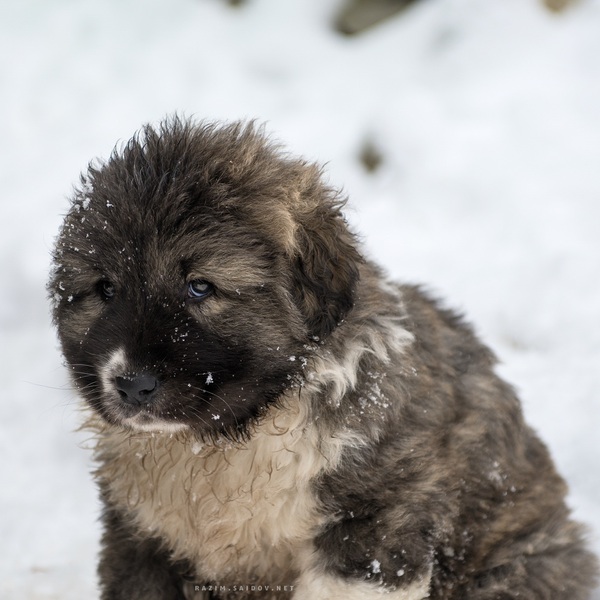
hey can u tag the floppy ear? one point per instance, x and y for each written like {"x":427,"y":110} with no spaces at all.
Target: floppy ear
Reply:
{"x":325,"y":267}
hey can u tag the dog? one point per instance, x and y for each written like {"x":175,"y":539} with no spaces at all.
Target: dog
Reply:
{"x":272,"y":417}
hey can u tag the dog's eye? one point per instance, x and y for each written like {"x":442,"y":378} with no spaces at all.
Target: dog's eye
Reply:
{"x":199,"y":289}
{"x":106,"y":289}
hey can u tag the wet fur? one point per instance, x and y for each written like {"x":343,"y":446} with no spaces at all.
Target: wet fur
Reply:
{"x":315,"y":426}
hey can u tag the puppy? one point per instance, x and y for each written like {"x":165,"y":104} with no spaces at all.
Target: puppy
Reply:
{"x":275,"y":419}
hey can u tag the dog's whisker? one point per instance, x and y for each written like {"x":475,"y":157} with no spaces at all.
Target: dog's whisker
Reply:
{"x":204,"y":391}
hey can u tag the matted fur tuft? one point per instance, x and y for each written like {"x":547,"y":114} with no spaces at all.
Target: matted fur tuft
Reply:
{"x":272,"y":417}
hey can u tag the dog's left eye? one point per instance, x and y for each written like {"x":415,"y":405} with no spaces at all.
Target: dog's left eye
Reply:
{"x":106,"y":289}
{"x":199,"y":289}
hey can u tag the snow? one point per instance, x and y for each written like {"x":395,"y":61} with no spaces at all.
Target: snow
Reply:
{"x":486,"y":116}
{"x":375,"y":566}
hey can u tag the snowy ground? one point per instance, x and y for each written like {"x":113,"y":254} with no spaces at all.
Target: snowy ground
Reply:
{"x":487,"y":115}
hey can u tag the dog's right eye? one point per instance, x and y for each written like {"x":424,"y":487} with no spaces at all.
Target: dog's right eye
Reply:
{"x":198,"y":289}
{"x":105,"y":289}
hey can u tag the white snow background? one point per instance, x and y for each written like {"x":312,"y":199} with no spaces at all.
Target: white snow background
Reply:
{"x":486,"y":113}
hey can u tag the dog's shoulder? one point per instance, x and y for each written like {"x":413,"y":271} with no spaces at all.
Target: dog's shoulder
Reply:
{"x":443,"y":333}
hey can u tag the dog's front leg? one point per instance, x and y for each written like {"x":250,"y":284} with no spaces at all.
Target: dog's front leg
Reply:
{"x":353,"y":560}
{"x":133,"y":567}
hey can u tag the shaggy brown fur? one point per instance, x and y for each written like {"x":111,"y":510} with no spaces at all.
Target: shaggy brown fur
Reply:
{"x":273,"y":418}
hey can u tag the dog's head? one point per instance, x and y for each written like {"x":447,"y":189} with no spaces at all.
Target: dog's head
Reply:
{"x":192,"y":270}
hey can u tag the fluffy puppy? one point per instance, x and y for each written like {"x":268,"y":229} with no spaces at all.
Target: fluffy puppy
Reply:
{"x":272,"y":417}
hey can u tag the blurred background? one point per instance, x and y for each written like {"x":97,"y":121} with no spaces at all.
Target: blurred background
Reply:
{"x":466,"y":134}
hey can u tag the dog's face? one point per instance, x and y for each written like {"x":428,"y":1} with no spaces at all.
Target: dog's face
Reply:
{"x":191,"y":273}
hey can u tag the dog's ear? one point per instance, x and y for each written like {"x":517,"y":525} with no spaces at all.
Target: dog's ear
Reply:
{"x":304,"y":217}
{"x":325,"y":266}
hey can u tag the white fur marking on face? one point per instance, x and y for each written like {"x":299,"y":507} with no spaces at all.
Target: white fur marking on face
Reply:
{"x":115,"y":364}
{"x":312,"y":585}
{"x":139,"y":423}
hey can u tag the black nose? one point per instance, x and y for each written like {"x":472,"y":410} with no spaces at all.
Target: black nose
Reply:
{"x":136,"y":389}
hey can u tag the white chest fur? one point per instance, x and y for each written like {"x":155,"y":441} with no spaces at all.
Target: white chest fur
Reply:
{"x":245,"y":512}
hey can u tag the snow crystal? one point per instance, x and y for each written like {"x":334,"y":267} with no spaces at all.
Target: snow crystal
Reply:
{"x":209,"y":379}
{"x":375,"y":566}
